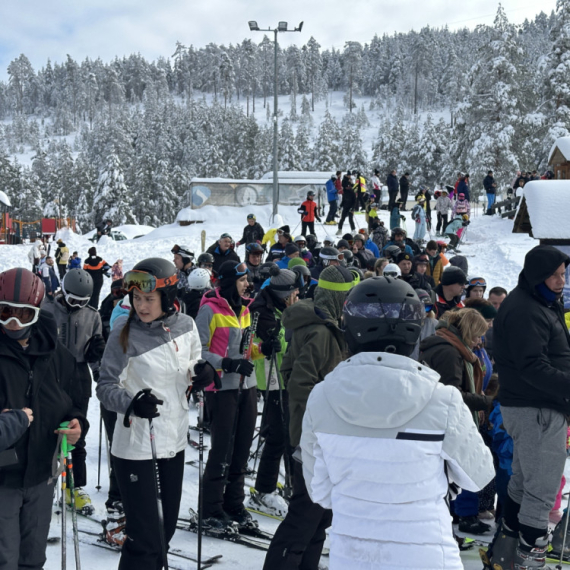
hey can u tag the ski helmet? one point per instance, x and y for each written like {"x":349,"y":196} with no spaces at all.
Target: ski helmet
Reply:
{"x":310,"y":194}
{"x":206,"y":259}
{"x":77,"y":288}
{"x":312,"y":241}
{"x":392,"y":252}
{"x":154,"y":274}
{"x":253,"y":249}
{"x":382,"y":314}
{"x":328,"y":254}
{"x":199,"y":279}
{"x":265,"y":269}
{"x":23,"y":291}
{"x":184,"y":252}
{"x":392,"y":270}
{"x":303,"y":272}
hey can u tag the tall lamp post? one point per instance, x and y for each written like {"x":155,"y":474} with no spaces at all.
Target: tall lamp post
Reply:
{"x":281,"y":27}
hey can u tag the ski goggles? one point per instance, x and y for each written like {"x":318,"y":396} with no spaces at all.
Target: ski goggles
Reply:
{"x":401,"y":311}
{"x":181,"y":251}
{"x":240,"y":270}
{"x":22,"y":315}
{"x":74,"y":301}
{"x":145,"y":282}
{"x":428,"y":308}
{"x":477,"y":282}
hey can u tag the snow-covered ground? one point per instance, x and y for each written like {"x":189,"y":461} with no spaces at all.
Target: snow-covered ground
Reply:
{"x":495,"y":253}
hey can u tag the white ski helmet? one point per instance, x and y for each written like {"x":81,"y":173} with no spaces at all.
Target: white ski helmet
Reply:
{"x":392,"y":270}
{"x":199,"y":279}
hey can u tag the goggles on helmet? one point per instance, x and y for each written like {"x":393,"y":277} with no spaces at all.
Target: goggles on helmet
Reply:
{"x":145,"y":282}
{"x":182,"y":251}
{"x":402,"y":311}
{"x":477,"y":282}
{"x":22,"y":315}
{"x":240,"y":270}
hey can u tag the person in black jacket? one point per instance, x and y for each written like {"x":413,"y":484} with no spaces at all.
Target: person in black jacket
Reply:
{"x":531,"y":346}
{"x":36,"y":371}
{"x":404,"y":188}
{"x":392,"y":183}
{"x":348,"y":203}
{"x":223,"y":251}
{"x":252,"y":233}
{"x":490,"y":188}
{"x":96,"y":267}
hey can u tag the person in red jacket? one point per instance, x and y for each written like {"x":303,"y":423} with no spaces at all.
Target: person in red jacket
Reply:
{"x":308,"y":211}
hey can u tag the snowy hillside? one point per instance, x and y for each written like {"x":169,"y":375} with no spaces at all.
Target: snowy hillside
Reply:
{"x":494,"y":253}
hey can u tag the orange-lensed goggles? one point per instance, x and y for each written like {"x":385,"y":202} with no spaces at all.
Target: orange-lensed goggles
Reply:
{"x":145,"y":282}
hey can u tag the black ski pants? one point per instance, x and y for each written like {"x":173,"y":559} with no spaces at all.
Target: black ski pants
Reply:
{"x":224,"y":476}
{"x":142,"y":550}
{"x":307,"y":225}
{"x":392,"y":197}
{"x":404,"y":198}
{"x":298,"y":542}
{"x":347,"y":213}
{"x":62,"y":268}
{"x":275,"y":430}
{"x":333,"y":205}
{"x":110,"y":419}
{"x":25,"y":516}
{"x":441,"y":222}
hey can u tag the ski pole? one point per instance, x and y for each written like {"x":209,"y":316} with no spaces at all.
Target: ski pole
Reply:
{"x":158,"y":490}
{"x":567,"y":514}
{"x":98,"y":486}
{"x":63,"y":457}
{"x":71,"y":485}
{"x":200,"y":472}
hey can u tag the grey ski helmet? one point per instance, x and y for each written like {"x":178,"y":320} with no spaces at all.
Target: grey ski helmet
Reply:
{"x":77,"y":288}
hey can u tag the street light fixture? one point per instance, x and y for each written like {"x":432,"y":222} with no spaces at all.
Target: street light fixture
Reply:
{"x":281,"y":27}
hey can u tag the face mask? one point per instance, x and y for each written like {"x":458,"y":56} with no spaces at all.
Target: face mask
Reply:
{"x":22,"y":334}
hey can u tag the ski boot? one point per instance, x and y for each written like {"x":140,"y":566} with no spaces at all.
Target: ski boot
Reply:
{"x":114,"y":531}
{"x":219,"y":524}
{"x":472,"y":525}
{"x":83,"y":504}
{"x":272,"y":504}
{"x":339,"y":233}
{"x":558,"y":539}
{"x":242,"y":517}
{"x":529,"y":557}
{"x":115,"y":508}
{"x":501,"y":553}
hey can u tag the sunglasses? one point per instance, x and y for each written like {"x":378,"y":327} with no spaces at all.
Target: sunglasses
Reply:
{"x":145,"y":282}
{"x":23,"y":315}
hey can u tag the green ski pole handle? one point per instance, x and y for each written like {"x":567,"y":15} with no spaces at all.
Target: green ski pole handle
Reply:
{"x":66,"y":447}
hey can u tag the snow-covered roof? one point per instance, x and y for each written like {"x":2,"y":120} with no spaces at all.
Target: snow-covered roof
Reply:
{"x":548,"y":204}
{"x":189,"y":215}
{"x":266,"y":181}
{"x":563,"y":145}
{"x":291,"y":174}
{"x":4,"y":199}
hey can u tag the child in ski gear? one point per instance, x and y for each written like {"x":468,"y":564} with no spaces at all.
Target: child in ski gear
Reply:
{"x":442,"y":206}
{"x":461,"y":206}
{"x":371,"y":411}
{"x":315,"y":348}
{"x":454,"y":230}
{"x":36,"y":371}
{"x":308,"y":211}
{"x":396,"y":218}
{"x":252,"y":233}
{"x":223,"y":320}
{"x":419,"y":217}
{"x":150,"y":361}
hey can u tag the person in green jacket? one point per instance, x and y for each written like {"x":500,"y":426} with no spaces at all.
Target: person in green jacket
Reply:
{"x":316,"y":346}
{"x":281,"y":292}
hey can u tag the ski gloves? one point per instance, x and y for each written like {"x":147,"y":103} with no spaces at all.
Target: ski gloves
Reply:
{"x":205,"y":374}
{"x":94,"y":349}
{"x":143,"y":405}
{"x":238,"y":365}
{"x":271,"y":345}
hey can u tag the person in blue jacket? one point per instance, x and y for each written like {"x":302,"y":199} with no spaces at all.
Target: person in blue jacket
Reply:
{"x":398,"y":238}
{"x":332,"y":197}
{"x":74,"y":261}
{"x":463,"y":187}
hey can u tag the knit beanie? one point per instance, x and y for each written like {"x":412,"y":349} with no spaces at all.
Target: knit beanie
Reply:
{"x":335,"y":282}
{"x":296,"y":261}
{"x":487,"y":311}
{"x":290,"y":249}
{"x":282,"y":282}
{"x":343,"y":243}
{"x":453,"y":275}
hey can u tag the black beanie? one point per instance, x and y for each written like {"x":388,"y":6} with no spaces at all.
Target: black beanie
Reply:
{"x":290,"y":249}
{"x":227,"y":275}
{"x":453,"y":275}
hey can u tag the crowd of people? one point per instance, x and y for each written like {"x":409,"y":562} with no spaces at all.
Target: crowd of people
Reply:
{"x":390,"y":379}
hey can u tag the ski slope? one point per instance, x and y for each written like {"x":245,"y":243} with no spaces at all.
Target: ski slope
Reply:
{"x":493,"y":253}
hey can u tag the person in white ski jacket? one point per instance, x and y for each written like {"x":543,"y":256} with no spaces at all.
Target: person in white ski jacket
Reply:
{"x":150,"y":360}
{"x":383,"y":439}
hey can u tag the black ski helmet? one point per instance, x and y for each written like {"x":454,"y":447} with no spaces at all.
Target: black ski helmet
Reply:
{"x":264,"y":270}
{"x":161,"y":269}
{"x":303,"y":271}
{"x":310,"y":194}
{"x":184,"y":252}
{"x":205,"y":258}
{"x":253,"y":248}
{"x":77,"y":288}
{"x":348,"y":258}
{"x":312,"y":241}
{"x":392,"y":252}
{"x":382,"y":314}
{"x":328,"y":254}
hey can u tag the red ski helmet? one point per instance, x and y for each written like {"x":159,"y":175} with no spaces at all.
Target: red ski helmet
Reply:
{"x":21,"y":287}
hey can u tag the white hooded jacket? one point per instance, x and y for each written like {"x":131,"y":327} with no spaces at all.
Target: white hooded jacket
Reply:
{"x":377,"y":433}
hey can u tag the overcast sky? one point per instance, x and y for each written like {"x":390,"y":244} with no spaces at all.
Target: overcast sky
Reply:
{"x":44,"y":29}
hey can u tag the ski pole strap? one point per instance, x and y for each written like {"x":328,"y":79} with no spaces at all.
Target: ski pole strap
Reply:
{"x":62,"y":448}
{"x":126,"y":419}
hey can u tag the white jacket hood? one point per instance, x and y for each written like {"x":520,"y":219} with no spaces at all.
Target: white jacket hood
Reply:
{"x":409,"y":383}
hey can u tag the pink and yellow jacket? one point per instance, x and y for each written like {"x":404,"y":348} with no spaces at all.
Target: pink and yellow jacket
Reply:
{"x":221,"y":332}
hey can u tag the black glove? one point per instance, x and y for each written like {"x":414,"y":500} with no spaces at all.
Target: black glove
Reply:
{"x":237,"y":365}
{"x":94,"y":348}
{"x":145,"y":405}
{"x":271,"y":345}
{"x":318,"y":219}
{"x":205,"y":374}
